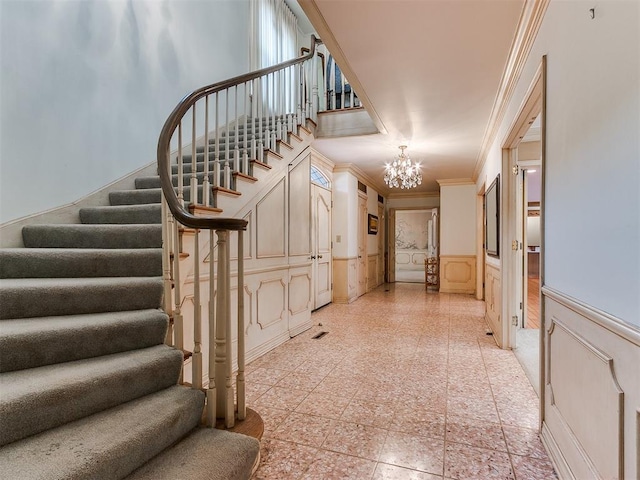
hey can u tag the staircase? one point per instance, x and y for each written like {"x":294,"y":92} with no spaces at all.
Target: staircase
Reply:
{"x":87,"y":387}
{"x":90,"y":312}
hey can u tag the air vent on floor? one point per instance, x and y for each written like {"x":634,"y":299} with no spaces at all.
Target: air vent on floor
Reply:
{"x":318,"y":336}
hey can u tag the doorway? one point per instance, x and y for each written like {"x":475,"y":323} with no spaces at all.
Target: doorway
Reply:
{"x":321,"y":245}
{"x":523,"y":201}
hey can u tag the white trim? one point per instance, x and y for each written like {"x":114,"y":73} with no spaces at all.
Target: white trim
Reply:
{"x":526,"y":33}
{"x":605,"y":320}
{"x":555,"y":455}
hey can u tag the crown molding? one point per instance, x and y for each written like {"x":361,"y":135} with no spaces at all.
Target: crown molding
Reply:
{"x":322,"y":160}
{"x":318,"y":21}
{"x":450,"y":182}
{"x":401,"y":195}
{"x":360,"y":175}
{"x":526,"y":33}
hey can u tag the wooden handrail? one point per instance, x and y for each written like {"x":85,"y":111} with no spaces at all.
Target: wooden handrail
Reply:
{"x":177,"y":208}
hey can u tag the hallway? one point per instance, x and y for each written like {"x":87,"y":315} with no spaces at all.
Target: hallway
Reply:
{"x":406,"y":385}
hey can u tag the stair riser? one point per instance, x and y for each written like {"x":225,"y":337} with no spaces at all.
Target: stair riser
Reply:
{"x":135,"y":197}
{"x":146,"y":214}
{"x":154,"y":182}
{"x":64,"y":400}
{"x":67,"y":263}
{"x":89,"y":236}
{"x":83,"y":297}
{"x":35,"y":342}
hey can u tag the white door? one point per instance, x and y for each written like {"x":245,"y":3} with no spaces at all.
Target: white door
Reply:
{"x":321,"y":245}
{"x":380,"y":278}
{"x":361,"y":288}
{"x":519,"y":255}
{"x":391,"y":258}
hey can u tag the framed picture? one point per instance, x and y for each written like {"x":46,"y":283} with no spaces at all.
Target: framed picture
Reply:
{"x":492,"y":218}
{"x":373,"y":225}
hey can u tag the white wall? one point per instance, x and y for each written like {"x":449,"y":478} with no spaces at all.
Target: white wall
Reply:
{"x":372,"y":208}
{"x":344,"y":221}
{"x":592,"y":156}
{"x":87,"y":85}
{"x":457,"y":220}
{"x":413,"y":202}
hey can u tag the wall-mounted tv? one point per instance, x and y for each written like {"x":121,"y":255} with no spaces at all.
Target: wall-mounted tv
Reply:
{"x":492,"y":216}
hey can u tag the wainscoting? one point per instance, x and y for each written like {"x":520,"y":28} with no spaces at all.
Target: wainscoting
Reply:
{"x":344,"y":279}
{"x":592,"y":391}
{"x":493,"y":301}
{"x":458,"y":274}
{"x":372,"y":271}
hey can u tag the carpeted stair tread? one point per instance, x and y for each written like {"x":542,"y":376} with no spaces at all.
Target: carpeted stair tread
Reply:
{"x":206,"y":454}
{"x":92,"y":236}
{"x":108,"y":445}
{"x":135,"y":197}
{"x":77,"y":262}
{"x":122,"y":214}
{"x":35,"y":342}
{"x":187,"y":168}
{"x":41,"y":398}
{"x":39,"y":297}
{"x":154,"y":181}
{"x":145,"y":196}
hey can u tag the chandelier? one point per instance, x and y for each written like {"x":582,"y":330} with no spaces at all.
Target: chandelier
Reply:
{"x":402,"y":172}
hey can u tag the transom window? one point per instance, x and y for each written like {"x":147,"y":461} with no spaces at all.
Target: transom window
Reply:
{"x":319,"y":178}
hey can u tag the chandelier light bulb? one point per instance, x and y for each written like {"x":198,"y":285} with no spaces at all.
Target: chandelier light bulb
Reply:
{"x":402,"y":173}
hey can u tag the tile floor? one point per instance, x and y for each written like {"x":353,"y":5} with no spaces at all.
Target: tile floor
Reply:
{"x":406,"y":385}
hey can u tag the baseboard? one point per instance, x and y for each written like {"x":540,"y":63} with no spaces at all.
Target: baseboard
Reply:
{"x":11,"y":232}
{"x":559,"y":463}
{"x":266,"y":347}
{"x":300,"y":328}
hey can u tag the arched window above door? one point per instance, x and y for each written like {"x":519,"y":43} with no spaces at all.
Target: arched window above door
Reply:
{"x":319,"y":178}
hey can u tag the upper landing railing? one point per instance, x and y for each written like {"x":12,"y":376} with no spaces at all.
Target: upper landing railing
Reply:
{"x":215,"y":136}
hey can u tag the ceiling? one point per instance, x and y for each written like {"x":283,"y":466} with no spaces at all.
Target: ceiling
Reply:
{"x":427,"y":71}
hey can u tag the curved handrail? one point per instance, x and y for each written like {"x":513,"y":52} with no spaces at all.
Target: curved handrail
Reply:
{"x":178,"y":210}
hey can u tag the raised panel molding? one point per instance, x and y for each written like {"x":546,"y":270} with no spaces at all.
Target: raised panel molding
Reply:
{"x":592,"y":392}
{"x":493,"y":301}
{"x":344,"y":279}
{"x":352,"y":279}
{"x":270,"y":302}
{"x":271,"y":223}
{"x":299,"y":293}
{"x":458,"y":274}
{"x":300,"y":209}
{"x":372,"y":269}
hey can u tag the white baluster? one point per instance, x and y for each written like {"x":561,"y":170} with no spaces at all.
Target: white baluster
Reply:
{"x":206,"y":186}
{"x":196,"y":361}
{"x":216,"y":147}
{"x":236,"y":148}
{"x":211,"y":390}
{"x":240,"y":384}
{"x":194,"y":178}
{"x":225,"y":406}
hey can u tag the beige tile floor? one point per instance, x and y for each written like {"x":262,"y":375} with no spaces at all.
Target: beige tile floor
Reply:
{"x":406,"y":385}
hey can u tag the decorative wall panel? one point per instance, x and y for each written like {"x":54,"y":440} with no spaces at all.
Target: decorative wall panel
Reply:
{"x":299,"y":293}
{"x":493,"y":301}
{"x":271,"y":223}
{"x":458,"y":274}
{"x":271,"y":302}
{"x":300,"y":209}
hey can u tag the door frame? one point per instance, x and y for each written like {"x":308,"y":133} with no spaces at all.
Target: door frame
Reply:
{"x":534,"y":104}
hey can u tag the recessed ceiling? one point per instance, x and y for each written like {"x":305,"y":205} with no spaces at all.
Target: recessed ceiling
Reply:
{"x":430,"y":70}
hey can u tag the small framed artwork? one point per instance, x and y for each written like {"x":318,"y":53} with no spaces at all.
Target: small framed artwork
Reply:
{"x":373,"y":225}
